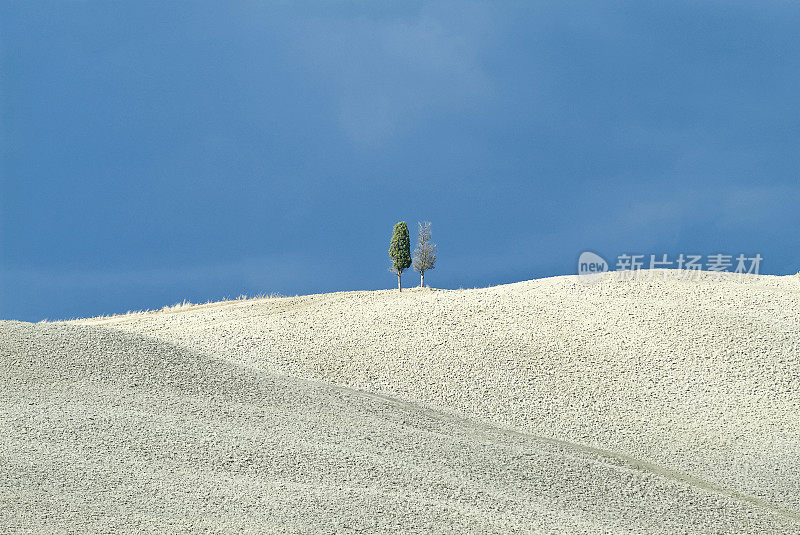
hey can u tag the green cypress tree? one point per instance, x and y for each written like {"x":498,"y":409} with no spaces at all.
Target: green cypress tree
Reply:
{"x":400,"y":251}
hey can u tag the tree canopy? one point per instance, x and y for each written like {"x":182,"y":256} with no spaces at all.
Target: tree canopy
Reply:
{"x":400,"y":251}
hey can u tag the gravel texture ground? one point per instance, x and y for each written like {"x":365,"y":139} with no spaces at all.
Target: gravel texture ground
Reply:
{"x":549,"y":406}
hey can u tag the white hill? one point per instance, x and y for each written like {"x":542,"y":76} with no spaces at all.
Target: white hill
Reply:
{"x":548,"y":406}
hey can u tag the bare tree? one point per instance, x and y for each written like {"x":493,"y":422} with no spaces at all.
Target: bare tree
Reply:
{"x":425,"y":253}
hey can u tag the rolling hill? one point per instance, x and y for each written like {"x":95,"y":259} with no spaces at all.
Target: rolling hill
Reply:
{"x":627,"y":406}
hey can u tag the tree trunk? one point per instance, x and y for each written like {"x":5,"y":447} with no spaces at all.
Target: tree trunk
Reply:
{"x":399,"y":285}
{"x":422,"y":279}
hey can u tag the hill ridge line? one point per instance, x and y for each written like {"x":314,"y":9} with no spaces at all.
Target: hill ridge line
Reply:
{"x":626,"y":460}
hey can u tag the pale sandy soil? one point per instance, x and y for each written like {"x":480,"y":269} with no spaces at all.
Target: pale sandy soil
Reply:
{"x":548,"y":406}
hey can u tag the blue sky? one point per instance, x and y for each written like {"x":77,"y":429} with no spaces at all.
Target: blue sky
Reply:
{"x":157,"y":151}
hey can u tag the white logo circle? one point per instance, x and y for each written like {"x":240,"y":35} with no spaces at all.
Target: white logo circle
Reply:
{"x":591,"y":267}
